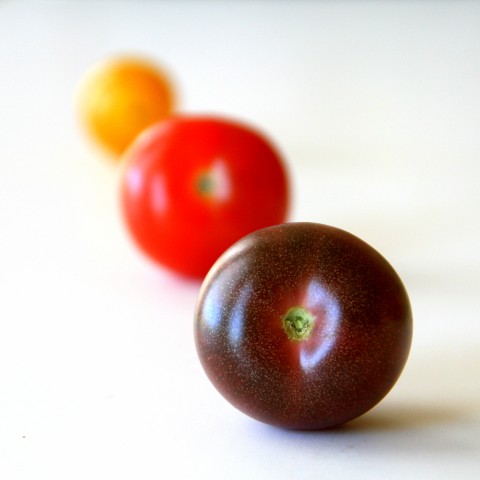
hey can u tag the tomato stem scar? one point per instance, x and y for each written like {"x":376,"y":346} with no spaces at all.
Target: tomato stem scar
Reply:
{"x":297,"y":323}
{"x":205,"y":184}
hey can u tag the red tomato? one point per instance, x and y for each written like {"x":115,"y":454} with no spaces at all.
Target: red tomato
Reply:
{"x":192,"y":186}
{"x":303,"y":326}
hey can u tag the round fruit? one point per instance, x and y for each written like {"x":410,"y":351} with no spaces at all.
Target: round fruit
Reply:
{"x":303,"y":326}
{"x":120,"y":97}
{"x":192,"y":186}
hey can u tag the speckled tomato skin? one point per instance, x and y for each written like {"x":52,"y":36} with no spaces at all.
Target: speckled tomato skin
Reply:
{"x":360,"y":340}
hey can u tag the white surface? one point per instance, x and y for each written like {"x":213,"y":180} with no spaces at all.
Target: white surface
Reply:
{"x":376,"y":106}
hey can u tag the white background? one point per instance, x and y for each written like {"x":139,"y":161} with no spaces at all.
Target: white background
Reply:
{"x":376,"y":108}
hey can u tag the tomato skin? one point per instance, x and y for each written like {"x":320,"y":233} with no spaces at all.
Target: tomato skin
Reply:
{"x":361,"y":336}
{"x":121,"y":96}
{"x":192,"y":186}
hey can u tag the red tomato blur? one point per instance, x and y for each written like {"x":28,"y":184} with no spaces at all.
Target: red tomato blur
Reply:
{"x":192,"y":186}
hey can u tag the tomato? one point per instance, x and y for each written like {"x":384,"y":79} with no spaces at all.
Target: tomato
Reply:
{"x":303,"y":326}
{"x":194,"y":185}
{"x":120,"y":97}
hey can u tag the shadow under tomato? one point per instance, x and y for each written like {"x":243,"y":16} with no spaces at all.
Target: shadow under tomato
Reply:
{"x":405,"y":417}
{"x":389,"y":419}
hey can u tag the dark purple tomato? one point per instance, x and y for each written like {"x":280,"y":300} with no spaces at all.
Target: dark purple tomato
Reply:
{"x":303,"y":326}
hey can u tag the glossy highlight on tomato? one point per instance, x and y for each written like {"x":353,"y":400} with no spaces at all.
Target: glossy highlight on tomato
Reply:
{"x":303,"y":326}
{"x":194,"y":185}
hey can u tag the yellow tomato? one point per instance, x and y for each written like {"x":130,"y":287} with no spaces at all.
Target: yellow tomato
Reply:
{"x":120,"y":97}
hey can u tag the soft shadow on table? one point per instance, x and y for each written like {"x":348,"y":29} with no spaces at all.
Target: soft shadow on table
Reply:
{"x":391,"y":419}
{"x":388,"y":430}
{"x":406,"y":417}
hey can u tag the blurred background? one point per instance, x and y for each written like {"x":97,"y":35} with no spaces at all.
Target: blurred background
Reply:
{"x":376,"y":109}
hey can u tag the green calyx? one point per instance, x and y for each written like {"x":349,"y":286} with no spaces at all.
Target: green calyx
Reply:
{"x":297,"y":323}
{"x":206,"y":185}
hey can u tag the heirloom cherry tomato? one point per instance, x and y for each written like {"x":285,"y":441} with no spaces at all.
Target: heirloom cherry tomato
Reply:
{"x":192,"y":186}
{"x":120,"y":97}
{"x":303,"y":326}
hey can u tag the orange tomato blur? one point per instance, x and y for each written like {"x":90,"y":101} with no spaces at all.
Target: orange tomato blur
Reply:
{"x":121,"y":97}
